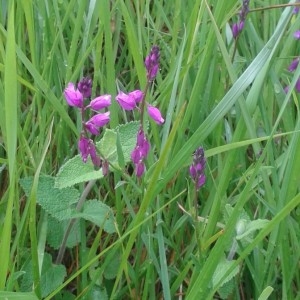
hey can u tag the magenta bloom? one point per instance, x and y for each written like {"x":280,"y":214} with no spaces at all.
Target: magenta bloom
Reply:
{"x":99,"y":120}
{"x":155,"y":114}
{"x":294,"y":64}
{"x":140,"y":152}
{"x":137,"y":95}
{"x":83,"y":145}
{"x":85,"y":87}
{"x":152,"y":63}
{"x":297,"y":86}
{"x":73,"y":95}
{"x":86,"y":148}
{"x":197,"y":168}
{"x":140,"y":169}
{"x":297,"y":35}
{"x":235,"y":30}
{"x":127,"y":102}
{"x":100,"y":102}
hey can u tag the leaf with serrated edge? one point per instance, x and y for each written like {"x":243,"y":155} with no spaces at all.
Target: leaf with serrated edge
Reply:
{"x":56,"y":202}
{"x":76,"y":171}
{"x":98,"y":213}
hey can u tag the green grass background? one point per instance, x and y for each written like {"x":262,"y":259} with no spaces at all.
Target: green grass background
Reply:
{"x":231,"y":104}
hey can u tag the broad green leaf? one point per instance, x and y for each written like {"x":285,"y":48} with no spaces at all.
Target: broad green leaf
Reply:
{"x":76,"y":171}
{"x":99,"y":214}
{"x":56,"y":202}
{"x":252,"y":226}
{"x":127,"y":134}
{"x":52,"y":276}
{"x":56,"y":230}
{"x":221,"y":270}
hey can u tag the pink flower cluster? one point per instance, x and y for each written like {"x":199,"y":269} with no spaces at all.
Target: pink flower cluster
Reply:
{"x":238,"y":27}
{"x":136,"y":98}
{"x":76,"y":97}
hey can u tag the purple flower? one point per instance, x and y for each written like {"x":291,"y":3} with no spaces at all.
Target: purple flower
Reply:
{"x":294,"y":64}
{"x":137,"y":95}
{"x":99,"y":120}
{"x":297,"y":86}
{"x":94,"y":156}
{"x":100,"y":102}
{"x":155,"y":114}
{"x":85,"y":87}
{"x":127,"y":102}
{"x":140,"y":152}
{"x":297,"y":35}
{"x":235,"y":30}
{"x":197,"y":168}
{"x":73,"y":95}
{"x":86,"y":148}
{"x":296,"y":8}
{"x":83,"y":145}
{"x":152,"y":63}
{"x":140,"y":169}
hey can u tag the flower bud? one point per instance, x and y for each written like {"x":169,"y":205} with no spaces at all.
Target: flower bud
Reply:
{"x":85,"y":87}
{"x":73,"y":96}
{"x":137,"y":95}
{"x":100,"y":102}
{"x":127,"y":102}
{"x":155,"y":114}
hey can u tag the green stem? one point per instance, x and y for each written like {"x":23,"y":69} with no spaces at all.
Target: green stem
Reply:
{"x":80,"y":203}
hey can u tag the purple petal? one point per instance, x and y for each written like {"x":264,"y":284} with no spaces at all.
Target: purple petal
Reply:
{"x":83,"y":146}
{"x":155,"y":114}
{"x":136,"y":155}
{"x":140,"y":169}
{"x":297,"y":86}
{"x":125,"y":101}
{"x":297,"y":35}
{"x":235,"y":30}
{"x":85,"y":87}
{"x":100,"y":120}
{"x":100,"y":102}
{"x":92,"y":128}
{"x":294,"y":64}
{"x":73,"y":96}
{"x":137,"y":95}
{"x":201,"y":181}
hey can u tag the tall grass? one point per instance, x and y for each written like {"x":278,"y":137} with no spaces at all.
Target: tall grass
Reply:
{"x":227,"y":97}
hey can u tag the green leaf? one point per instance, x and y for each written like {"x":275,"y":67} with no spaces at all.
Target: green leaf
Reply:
{"x":52,"y":276}
{"x":127,"y":134}
{"x":111,"y":269}
{"x":252,"y":226}
{"x":266,"y":293}
{"x":99,"y":214}
{"x":56,"y":202}
{"x":226,"y":289}
{"x":56,"y":230}
{"x":221,"y":270}
{"x":76,"y":171}
{"x":17,"y":296}
{"x":107,"y":146}
{"x":97,"y":293}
